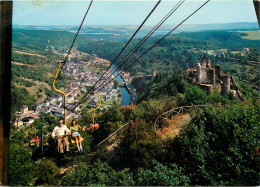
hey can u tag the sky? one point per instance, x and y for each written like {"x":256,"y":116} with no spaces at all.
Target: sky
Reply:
{"x":123,"y":12}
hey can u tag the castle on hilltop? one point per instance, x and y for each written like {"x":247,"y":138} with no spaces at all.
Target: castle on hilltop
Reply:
{"x":212,"y":77}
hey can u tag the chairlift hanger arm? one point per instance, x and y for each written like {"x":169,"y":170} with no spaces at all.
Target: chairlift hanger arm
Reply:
{"x":95,"y":111}
{"x":53,"y":85}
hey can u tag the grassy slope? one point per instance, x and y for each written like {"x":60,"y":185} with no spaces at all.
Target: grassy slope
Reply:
{"x":251,"y":35}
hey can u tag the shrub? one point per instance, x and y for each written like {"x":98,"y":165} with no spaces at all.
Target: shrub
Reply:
{"x":160,"y":175}
{"x":195,"y":96}
{"x":21,"y":166}
{"x":137,"y":145}
{"x":47,"y":173}
{"x":217,"y":147}
{"x":102,"y":174}
{"x":98,"y":174}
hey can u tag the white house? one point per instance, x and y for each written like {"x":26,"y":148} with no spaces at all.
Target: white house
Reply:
{"x":60,"y":98}
{"x":103,"y":91}
{"x":24,"y":109}
{"x":17,"y":123}
{"x":108,"y":98}
{"x":83,"y":89}
{"x":74,"y":116}
{"x":70,"y":99}
{"x":94,"y":97}
{"x":52,"y":100}
{"x":37,"y":106}
{"x":46,"y":103}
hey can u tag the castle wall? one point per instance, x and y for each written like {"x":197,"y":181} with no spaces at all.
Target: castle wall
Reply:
{"x":210,"y":78}
{"x":218,"y":87}
{"x":208,"y":64}
{"x":203,"y":78}
{"x":218,"y":71}
{"x":206,"y":76}
{"x":209,"y":87}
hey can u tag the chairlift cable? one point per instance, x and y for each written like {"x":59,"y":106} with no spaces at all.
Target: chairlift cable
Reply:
{"x":144,"y":40}
{"x":153,"y":30}
{"x":77,"y":33}
{"x":89,"y":92}
{"x":124,"y":46}
{"x":146,"y":51}
{"x":156,"y":43}
{"x":61,"y":64}
{"x":164,"y":36}
{"x":134,"y":49}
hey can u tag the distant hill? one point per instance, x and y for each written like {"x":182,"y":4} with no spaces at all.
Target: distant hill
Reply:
{"x":40,"y":39}
{"x":123,"y":32}
{"x":225,"y":39}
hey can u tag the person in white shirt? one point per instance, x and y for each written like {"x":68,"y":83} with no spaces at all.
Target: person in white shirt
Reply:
{"x":59,"y":133}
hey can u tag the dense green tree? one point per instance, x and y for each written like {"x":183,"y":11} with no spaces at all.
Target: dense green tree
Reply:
{"x":116,"y":83}
{"x":217,"y":147}
{"x":216,"y":98}
{"x":195,"y":96}
{"x":164,"y":84}
{"x":102,"y":174}
{"x":160,"y":175}
{"x":45,"y":119}
{"x":138,"y":145}
{"x":150,"y":109}
{"x":20,"y":97}
{"x":47,"y":173}
{"x":109,"y":121}
{"x":21,"y":166}
{"x":98,"y":174}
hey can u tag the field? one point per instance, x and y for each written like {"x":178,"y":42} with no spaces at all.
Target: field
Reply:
{"x":251,"y":35}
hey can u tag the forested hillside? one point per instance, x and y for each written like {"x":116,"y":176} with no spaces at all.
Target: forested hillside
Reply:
{"x":40,"y":39}
{"x":33,"y":67}
{"x":223,"y":39}
{"x":177,"y":51}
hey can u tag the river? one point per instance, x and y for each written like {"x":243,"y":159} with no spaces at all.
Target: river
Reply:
{"x":126,"y":98}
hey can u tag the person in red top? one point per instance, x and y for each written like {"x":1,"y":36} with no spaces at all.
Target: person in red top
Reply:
{"x":37,"y":141}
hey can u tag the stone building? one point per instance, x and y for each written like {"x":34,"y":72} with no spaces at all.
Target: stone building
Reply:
{"x":210,"y":77}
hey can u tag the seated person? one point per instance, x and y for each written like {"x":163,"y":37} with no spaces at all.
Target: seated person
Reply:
{"x":59,"y":133}
{"x":74,"y":128}
{"x":37,"y":141}
{"x":91,"y":126}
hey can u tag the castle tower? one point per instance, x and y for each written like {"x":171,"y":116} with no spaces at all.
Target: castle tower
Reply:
{"x":226,"y":83}
{"x":205,"y":62}
{"x":154,"y":72}
{"x":213,"y":77}
{"x":199,"y":74}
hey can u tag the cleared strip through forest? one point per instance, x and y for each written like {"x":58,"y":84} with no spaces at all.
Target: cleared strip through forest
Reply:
{"x":31,"y":54}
